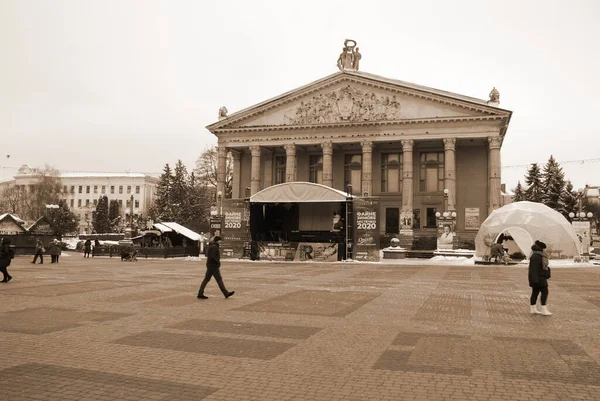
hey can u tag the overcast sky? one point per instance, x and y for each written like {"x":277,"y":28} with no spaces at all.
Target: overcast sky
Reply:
{"x":131,"y":85}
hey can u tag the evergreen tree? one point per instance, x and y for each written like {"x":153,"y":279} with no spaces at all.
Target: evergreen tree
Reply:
{"x":519,"y":193}
{"x":568,"y":200}
{"x":62,"y":220}
{"x":114,"y":215}
{"x":553,"y":182}
{"x":101,"y":222}
{"x":162,"y":209}
{"x":535,"y":188}
{"x":180,"y":194}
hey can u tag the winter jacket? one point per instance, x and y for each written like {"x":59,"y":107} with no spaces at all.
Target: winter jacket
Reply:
{"x":5,"y":256}
{"x":539,"y":272}
{"x":213,"y":257}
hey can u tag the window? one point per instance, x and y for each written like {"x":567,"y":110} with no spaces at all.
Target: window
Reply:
{"x":279,"y":169}
{"x":95,"y":189}
{"x":315,"y":173}
{"x":87,"y":189}
{"x":417,"y":219}
{"x":392,"y":220}
{"x":87,"y":203}
{"x":431,"y":176}
{"x":128,"y":189}
{"x":120,"y":202}
{"x":103,"y":189}
{"x":95,"y":202}
{"x":127,"y":203}
{"x":72,"y":203}
{"x":72,"y":189}
{"x":64,"y":189}
{"x":137,"y":203}
{"x":80,"y":189}
{"x":112,"y":189}
{"x":391,"y":172}
{"x":137,"y":189}
{"x":78,"y":202}
{"x":353,"y":173}
{"x":120,"y":189}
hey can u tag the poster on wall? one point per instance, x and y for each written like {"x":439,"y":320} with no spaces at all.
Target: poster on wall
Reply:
{"x":582,"y":230}
{"x":317,"y":252}
{"x":366,"y":224}
{"x":284,"y":251}
{"x":472,"y":218}
{"x":234,"y":230}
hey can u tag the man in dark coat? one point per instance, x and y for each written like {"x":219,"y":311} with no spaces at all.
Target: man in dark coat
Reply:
{"x":213,"y":269}
{"x":6,"y":255}
{"x":539,"y":273}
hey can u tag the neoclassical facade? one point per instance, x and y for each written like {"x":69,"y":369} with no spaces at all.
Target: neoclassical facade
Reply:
{"x":420,"y":150}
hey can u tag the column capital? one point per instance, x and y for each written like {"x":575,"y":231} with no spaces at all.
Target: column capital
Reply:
{"x":255,"y":151}
{"x":236,"y":154}
{"x":407,"y":145}
{"x":327,"y":147}
{"x":494,"y":142}
{"x":290,"y":149}
{"x":221,"y":151}
{"x":367,"y":146}
{"x":450,"y":144}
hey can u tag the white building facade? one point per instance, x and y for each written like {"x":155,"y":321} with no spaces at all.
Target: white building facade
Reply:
{"x":82,"y":190}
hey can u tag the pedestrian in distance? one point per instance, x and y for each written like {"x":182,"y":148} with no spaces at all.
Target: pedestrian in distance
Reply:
{"x":55,"y":250}
{"x":539,"y":273}
{"x":213,"y":267}
{"x":7,"y":253}
{"x":39,"y":251}
{"x":87,"y":248}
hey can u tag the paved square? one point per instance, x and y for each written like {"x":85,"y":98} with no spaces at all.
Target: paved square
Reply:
{"x":100,"y":329}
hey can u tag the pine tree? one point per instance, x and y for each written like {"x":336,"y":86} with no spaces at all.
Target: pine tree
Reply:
{"x":162,"y":209}
{"x":553,"y":182}
{"x":101,"y":221}
{"x":535,"y":188}
{"x":180,"y":194}
{"x":519,"y":193}
{"x":62,"y":220}
{"x":114,"y":215}
{"x":568,"y":200}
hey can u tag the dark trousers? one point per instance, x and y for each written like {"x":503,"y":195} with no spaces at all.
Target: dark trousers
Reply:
{"x":41,"y":255}
{"x":4,"y":270}
{"x":54,"y":258}
{"x":535,"y":292}
{"x":216,"y":273}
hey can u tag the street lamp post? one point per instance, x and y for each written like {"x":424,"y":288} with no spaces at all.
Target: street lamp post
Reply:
{"x":348,"y":206}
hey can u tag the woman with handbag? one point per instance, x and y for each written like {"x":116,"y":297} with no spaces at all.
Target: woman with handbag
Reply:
{"x":539,"y":273}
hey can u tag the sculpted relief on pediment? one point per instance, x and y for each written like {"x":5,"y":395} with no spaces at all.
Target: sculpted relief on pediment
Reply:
{"x":347,"y":104}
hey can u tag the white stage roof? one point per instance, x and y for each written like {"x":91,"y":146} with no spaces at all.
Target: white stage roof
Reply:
{"x":299,"y":192}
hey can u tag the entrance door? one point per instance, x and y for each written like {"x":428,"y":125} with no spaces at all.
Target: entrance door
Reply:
{"x":431,"y":220}
{"x":392,"y":220}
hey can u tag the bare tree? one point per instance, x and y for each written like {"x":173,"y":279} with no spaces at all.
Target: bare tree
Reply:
{"x":206,"y":170}
{"x":12,"y":200}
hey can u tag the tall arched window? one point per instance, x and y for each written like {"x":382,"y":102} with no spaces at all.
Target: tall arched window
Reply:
{"x":431,"y":177}
{"x":353,"y":173}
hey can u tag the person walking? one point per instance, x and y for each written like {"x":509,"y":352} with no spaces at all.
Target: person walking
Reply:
{"x":213,"y":266}
{"x":87,"y":248}
{"x":39,"y":251}
{"x":539,"y":273}
{"x":6,"y":255}
{"x":55,"y":250}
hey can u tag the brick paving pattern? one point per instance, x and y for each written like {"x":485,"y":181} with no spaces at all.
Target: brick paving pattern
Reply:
{"x":100,"y":329}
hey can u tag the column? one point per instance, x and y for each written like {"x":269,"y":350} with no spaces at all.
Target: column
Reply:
{"x":290,"y":162}
{"x":450,"y":171}
{"x":367,"y":167}
{"x":406,"y":215}
{"x":268,"y":171}
{"x":255,"y":151}
{"x":327,"y":147}
{"x":494,"y":143}
{"x":235,"y":179}
{"x":221,"y":168}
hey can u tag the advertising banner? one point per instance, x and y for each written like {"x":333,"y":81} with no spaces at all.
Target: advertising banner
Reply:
{"x":472,"y":218}
{"x":582,"y":229}
{"x":366,"y":224}
{"x":299,"y":251}
{"x":234,"y":231}
{"x":284,"y":251}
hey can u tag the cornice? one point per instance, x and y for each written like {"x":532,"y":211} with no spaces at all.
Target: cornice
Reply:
{"x":419,"y":121}
{"x":342,"y":78}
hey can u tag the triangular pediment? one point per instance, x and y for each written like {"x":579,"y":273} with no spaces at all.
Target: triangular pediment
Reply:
{"x":360,"y":98}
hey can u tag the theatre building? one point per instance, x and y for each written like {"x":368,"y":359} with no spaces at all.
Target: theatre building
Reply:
{"x":419,"y":152}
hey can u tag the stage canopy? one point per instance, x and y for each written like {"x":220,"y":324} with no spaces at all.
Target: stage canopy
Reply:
{"x":299,"y":192}
{"x":166,"y":227}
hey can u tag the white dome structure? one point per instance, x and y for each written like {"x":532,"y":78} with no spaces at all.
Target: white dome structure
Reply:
{"x":527,"y":222}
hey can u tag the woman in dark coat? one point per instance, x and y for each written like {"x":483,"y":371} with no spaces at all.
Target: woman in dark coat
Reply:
{"x":87,"y":248}
{"x":539,"y":273}
{"x":6,"y":256}
{"x":55,"y":250}
{"x":39,"y":251}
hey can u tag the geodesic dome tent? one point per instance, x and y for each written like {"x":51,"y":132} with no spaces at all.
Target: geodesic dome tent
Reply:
{"x":527,"y":222}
